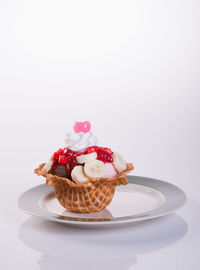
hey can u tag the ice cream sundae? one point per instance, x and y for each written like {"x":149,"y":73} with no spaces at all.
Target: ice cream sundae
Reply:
{"x":83,"y":174}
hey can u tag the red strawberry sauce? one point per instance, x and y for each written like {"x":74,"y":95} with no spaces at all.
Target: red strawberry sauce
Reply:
{"x":67,"y":157}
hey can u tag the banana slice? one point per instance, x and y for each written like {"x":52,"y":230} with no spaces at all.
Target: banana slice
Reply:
{"x":47,"y":166}
{"x":95,"y":169}
{"x":78,"y":174}
{"x":119,"y":162}
{"x":86,"y":158}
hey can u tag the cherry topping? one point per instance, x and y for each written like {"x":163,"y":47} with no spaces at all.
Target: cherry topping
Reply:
{"x":103,"y":155}
{"x":62,"y":159}
{"x":67,"y":158}
{"x":108,"y":150}
{"x":71,"y":163}
{"x":57,"y":154}
{"x":68,"y":152}
{"x":91,"y":149}
{"x":80,"y":154}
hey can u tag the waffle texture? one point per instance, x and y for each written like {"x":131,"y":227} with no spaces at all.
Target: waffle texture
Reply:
{"x":91,"y":196}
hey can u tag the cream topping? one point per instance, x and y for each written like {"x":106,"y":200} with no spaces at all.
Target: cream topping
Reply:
{"x":79,"y":142}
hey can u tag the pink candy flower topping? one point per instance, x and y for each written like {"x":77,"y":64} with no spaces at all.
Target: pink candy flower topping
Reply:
{"x":82,"y":127}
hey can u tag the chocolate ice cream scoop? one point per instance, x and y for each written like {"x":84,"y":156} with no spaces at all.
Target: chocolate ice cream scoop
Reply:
{"x":61,"y":171}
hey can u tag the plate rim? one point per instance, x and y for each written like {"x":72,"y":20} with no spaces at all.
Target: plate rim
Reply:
{"x":174,"y":199}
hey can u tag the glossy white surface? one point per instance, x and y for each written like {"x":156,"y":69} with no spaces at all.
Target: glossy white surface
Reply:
{"x":132,"y":69}
{"x":142,"y":199}
{"x":131,"y":201}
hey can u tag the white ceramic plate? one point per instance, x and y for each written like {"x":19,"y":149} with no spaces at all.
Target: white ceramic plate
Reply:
{"x":143,"y":198}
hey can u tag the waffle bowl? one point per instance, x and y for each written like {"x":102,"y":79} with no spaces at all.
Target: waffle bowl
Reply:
{"x":91,"y":196}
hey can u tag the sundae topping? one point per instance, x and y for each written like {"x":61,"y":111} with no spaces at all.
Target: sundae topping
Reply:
{"x":95,"y":169}
{"x":80,"y":141}
{"x":91,"y":149}
{"x":82,"y":127}
{"x":71,"y":163}
{"x":62,"y":159}
{"x":47,"y":165}
{"x":67,"y":152}
{"x":82,"y":138}
{"x":78,"y":174}
{"x":82,"y":158}
{"x":57,"y":154}
{"x":86,"y":158}
{"x":119,"y":162}
{"x":103,"y":153}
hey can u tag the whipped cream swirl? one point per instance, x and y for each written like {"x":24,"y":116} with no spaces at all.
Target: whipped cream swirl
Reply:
{"x":78,"y":142}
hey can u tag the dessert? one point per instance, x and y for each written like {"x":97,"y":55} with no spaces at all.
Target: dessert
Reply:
{"x":84,"y":175}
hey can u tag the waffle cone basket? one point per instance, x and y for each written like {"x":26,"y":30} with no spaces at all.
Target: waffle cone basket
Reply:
{"x":91,"y":196}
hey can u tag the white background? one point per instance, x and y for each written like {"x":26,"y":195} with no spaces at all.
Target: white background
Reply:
{"x":129,"y":67}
